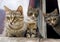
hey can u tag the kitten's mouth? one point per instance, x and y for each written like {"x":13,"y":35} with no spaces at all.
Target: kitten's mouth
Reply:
{"x":34,"y":19}
{"x":53,"y":25}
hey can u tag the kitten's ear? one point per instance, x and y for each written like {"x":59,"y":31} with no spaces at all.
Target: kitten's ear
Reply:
{"x":6,"y":9}
{"x":20,"y":9}
{"x":55,"y":11}
{"x":37,"y":9}
{"x":29,"y":8}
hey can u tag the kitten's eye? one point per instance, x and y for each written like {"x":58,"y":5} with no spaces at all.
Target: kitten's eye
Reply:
{"x":20,"y":13}
{"x":29,"y":14}
{"x":8,"y":18}
{"x":36,"y":14}
{"x":48,"y":20}
{"x":54,"y":18}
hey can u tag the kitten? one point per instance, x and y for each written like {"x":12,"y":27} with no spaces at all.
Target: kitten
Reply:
{"x":32,"y":29}
{"x":14,"y":23}
{"x":53,"y":19}
{"x":33,"y":13}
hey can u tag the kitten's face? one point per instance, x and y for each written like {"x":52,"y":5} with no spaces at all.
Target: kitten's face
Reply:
{"x":32,"y":13}
{"x":32,"y":27}
{"x":52,"y":18}
{"x":14,"y":18}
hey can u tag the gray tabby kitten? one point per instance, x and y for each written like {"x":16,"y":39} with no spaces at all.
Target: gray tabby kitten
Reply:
{"x":53,"y":19}
{"x":32,"y":30}
{"x":14,"y":23}
{"x":33,"y":13}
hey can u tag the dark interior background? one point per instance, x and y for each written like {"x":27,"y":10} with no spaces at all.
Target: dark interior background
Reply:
{"x":50,"y":6}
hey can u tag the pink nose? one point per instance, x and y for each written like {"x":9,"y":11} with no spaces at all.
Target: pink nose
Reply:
{"x":33,"y":17}
{"x":11,"y":23}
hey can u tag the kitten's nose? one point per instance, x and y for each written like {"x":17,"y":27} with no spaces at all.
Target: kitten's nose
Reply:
{"x":52,"y":21}
{"x":11,"y":23}
{"x":52,"y":24}
{"x":33,"y":17}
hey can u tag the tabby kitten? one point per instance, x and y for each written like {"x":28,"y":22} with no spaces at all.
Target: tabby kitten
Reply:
{"x":32,"y":29}
{"x":14,"y":23}
{"x":53,"y":20}
{"x":33,"y":13}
